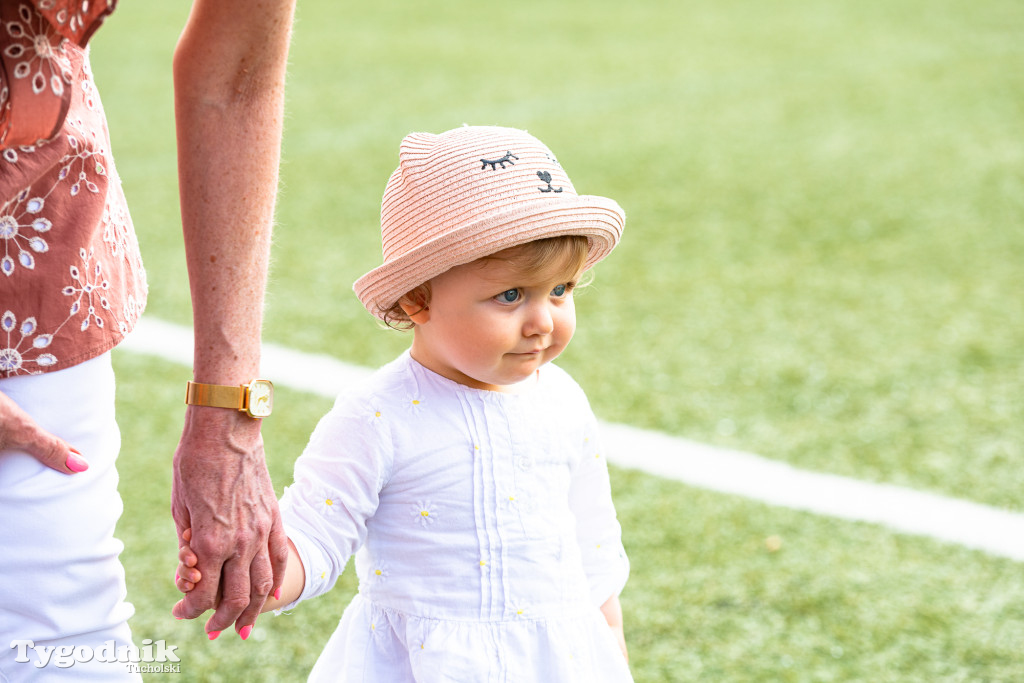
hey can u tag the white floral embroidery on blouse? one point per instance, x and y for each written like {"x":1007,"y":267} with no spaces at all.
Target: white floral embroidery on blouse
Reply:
{"x":43,"y":63}
{"x":90,"y":289}
{"x":17,"y":219}
{"x":15,"y":355}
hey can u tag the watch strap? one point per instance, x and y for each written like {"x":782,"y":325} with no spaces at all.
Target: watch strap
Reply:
{"x":215,"y":395}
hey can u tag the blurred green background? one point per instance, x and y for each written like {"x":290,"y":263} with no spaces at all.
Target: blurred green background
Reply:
{"x":823,"y":263}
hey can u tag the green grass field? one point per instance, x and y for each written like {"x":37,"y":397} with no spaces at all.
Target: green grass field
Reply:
{"x":823,"y":263}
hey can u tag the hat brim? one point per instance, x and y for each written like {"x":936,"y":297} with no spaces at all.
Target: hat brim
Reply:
{"x":599,"y":219}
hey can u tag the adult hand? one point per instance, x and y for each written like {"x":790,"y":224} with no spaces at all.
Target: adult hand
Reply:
{"x":18,"y":431}
{"x":222,"y":491}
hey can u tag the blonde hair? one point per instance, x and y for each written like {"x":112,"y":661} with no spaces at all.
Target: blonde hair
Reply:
{"x":559,"y":254}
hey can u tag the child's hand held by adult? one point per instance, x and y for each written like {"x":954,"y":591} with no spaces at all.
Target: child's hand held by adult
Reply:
{"x":187,"y":576}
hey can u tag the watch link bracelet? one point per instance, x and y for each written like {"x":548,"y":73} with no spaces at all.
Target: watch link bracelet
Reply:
{"x":255,"y":399}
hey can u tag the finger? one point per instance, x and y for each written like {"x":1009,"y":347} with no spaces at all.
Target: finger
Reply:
{"x":187,"y":557}
{"x":75,"y":462}
{"x":180,"y":514}
{"x":277,"y":546}
{"x":190,"y":574}
{"x":192,"y":605}
{"x":181,"y":523}
{"x":278,"y":553}
{"x":201,"y":598}
{"x":261,"y":583}
{"x":57,"y":455}
{"x":205,"y":595}
{"x":234,"y":596}
{"x":21,"y":432}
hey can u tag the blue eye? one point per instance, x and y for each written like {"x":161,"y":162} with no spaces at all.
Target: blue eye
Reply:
{"x":559,"y":291}
{"x":509,"y":296}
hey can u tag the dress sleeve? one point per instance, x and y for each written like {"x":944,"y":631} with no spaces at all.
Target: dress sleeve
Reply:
{"x":337,"y":483}
{"x":597,"y":528}
{"x":42,"y":55}
{"x":75,"y":20}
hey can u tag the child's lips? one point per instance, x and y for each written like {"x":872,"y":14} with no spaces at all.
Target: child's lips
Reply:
{"x":527,"y":354}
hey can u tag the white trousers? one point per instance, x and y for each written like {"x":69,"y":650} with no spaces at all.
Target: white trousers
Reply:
{"x":61,"y":583}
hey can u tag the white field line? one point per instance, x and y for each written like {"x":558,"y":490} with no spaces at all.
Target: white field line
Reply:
{"x":973,"y":525}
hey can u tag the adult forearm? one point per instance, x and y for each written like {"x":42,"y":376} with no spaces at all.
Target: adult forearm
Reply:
{"x":229,"y":94}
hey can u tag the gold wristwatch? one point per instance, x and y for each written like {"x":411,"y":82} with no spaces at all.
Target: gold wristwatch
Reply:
{"x":255,"y":399}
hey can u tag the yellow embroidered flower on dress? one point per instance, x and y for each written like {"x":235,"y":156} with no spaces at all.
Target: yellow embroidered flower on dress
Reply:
{"x":329,"y":501}
{"x":424,"y":512}
{"x":521,"y":610}
{"x":380,"y":573}
{"x":509,"y":500}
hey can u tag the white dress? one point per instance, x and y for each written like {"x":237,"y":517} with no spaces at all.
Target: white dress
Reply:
{"x":482,"y":525}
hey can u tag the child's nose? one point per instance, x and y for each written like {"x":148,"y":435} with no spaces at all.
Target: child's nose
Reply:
{"x":539,"y":320}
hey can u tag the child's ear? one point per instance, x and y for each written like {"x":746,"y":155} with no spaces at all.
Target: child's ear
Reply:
{"x":418,"y":314}
{"x":415,"y":306}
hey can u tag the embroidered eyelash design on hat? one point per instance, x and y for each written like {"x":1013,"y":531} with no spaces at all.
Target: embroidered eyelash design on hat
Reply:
{"x":507,"y":159}
{"x":471,"y":192}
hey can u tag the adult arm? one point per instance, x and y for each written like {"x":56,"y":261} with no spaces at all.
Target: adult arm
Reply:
{"x":229,"y":73}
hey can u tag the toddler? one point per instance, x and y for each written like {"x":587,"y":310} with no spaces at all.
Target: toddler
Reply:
{"x":467,"y":476}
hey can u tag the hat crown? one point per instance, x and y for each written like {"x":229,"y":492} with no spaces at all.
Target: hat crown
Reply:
{"x":462,"y":176}
{"x":471,"y":192}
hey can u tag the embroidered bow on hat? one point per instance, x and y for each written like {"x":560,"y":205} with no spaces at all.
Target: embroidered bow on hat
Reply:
{"x":471,"y":192}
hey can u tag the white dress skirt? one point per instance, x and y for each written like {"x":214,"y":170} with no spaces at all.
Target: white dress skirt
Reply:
{"x":63,"y":585}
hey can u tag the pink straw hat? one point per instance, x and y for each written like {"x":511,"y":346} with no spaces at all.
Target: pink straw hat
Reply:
{"x":469,"y":193}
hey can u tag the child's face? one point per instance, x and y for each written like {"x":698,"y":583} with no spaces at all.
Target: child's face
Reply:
{"x":488,"y":326}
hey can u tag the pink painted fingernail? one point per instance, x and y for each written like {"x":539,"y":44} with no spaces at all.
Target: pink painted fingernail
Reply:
{"x":277,"y":594}
{"x":245,"y":631}
{"x":176,"y":577}
{"x":76,"y":463}
{"x":213,"y":635}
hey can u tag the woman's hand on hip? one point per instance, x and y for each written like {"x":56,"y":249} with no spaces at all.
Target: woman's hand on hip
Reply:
{"x":19,"y":432}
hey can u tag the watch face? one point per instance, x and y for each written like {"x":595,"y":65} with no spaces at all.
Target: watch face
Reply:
{"x":261,"y":398}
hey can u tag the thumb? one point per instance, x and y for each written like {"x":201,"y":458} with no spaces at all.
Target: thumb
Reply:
{"x":55,"y":454}
{"x":18,"y":431}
